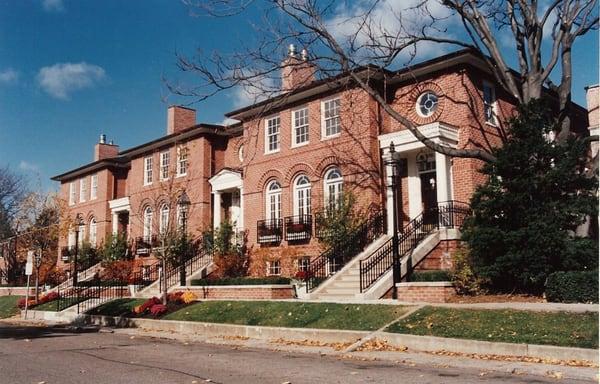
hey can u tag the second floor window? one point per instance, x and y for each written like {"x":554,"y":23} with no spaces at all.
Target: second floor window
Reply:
{"x":489,"y":103}
{"x":147,"y":170}
{"x":182,"y":161}
{"x":273,"y":126}
{"x":82,"y":189}
{"x":300,"y":125}
{"x":94,"y":187}
{"x":331,"y":117}
{"x":164,"y":165}
{"x":72,"y":193}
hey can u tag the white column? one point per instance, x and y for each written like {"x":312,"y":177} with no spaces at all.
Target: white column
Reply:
{"x":389,"y":198}
{"x":115,"y":223}
{"x":414,"y":187}
{"x":442,"y":165}
{"x":216,"y":209}
{"x":241,"y":214}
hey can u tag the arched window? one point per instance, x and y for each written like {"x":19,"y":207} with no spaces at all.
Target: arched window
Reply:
{"x":81,"y":234}
{"x":147,"y":223}
{"x":273,"y":201}
{"x":333,"y":188}
{"x":163,"y":222}
{"x":93,"y":232}
{"x":301,"y":196}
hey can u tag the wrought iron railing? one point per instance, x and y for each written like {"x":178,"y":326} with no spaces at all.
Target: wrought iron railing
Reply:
{"x":269,"y":231}
{"x":89,"y":296}
{"x":334,"y":258}
{"x":298,"y":228}
{"x":144,"y":245}
{"x":146,"y":275}
{"x":449,"y":214}
{"x":66,"y":253}
{"x":190,"y":265}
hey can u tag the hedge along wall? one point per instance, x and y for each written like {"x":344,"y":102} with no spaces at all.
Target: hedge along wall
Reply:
{"x":572,"y":287}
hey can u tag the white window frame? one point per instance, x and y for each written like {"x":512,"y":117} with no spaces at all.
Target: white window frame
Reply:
{"x":71,"y":238}
{"x":94,"y":187}
{"x":493,"y":104}
{"x":302,"y":198}
{"x":148,"y":170}
{"x":333,"y":188}
{"x":303,"y":264}
{"x":82,"y":189}
{"x":268,"y":135}
{"x":182,"y":162}
{"x":147,"y":230}
{"x":163,"y":219}
{"x":93,"y":232}
{"x":337,"y":117}
{"x":81,"y":235}
{"x":72,"y":193}
{"x":165,"y":159}
{"x":273,"y":201}
{"x":295,"y":143}
{"x":274,"y":265}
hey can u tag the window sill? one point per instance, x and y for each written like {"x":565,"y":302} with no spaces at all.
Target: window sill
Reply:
{"x":181,"y":175}
{"x":495,"y":125}
{"x":325,"y":138}
{"x":147,"y":184}
{"x":300,"y":145}
{"x":272,"y":152}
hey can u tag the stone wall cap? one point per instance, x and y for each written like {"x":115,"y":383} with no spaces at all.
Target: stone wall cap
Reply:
{"x":425,"y":284}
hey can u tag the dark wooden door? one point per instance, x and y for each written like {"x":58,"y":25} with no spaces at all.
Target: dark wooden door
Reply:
{"x":429,"y":196}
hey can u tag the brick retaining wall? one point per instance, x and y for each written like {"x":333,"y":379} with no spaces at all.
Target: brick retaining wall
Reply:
{"x":430,"y":292}
{"x":243,"y":291}
{"x":18,"y":291}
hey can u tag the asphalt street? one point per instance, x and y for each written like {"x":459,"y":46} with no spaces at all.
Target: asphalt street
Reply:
{"x":59,"y":355}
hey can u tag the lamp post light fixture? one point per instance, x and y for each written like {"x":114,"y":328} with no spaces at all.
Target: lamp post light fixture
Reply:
{"x":79,"y":223}
{"x":183,"y":202}
{"x":395,"y":161}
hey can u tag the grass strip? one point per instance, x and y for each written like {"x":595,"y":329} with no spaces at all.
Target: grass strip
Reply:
{"x":117,"y":307}
{"x":8,"y":306}
{"x":366,"y":317}
{"x":510,"y":326}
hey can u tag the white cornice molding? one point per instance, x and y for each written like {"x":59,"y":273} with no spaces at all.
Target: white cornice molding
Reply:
{"x":226,"y":179}
{"x":404,"y":140}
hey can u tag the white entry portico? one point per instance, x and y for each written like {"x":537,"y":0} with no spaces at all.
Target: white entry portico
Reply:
{"x":227,"y":191}
{"x":429,"y":173}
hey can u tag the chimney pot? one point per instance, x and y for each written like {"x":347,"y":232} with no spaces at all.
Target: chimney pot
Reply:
{"x":292,"y":50}
{"x":102,"y":138}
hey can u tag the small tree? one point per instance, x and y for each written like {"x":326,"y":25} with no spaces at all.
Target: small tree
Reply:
{"x":230,"y":254}
{"x":114,"y":248}
{"x":526,"y":214}
{"x":339,"y":220}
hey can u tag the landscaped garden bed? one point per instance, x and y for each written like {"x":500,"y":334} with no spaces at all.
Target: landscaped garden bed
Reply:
{"x":549,"y":328}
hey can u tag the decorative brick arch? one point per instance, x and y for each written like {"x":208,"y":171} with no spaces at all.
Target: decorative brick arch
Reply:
{"x":297,"y":169}
{"x":326,"y":163}
{"x":268,"y":176}
{"x":408,"y":102}
{"x":90,"y":215}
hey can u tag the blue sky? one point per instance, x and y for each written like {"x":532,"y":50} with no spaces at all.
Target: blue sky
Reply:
{"x":70,"y":70}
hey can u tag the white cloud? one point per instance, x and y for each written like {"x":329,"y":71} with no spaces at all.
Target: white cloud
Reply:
{"x":227,"y":121}
{"x":53,"y":5}
{"x":28,"y":167}
{"x":8,"y":76}
{"x":250,"y":93}
{"x":61,"y":79}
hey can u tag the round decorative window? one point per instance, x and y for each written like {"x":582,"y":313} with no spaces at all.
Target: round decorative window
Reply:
{"x":427,"y":104}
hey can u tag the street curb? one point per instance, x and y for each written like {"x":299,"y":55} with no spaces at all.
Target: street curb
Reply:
{"x":418,"y":343}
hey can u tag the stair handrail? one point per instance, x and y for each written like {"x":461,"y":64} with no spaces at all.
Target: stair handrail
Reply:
{"x":340,"y":254}
{"x":447,"y":214}
{"x":201,"y":258}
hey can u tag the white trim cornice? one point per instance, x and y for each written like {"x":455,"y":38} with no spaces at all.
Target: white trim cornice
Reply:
{"x":121,"y":204}
{"x":226,"y":179}
{"x":404,"y":140}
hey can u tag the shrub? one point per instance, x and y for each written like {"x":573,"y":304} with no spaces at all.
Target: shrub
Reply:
{"x":21,"y":303}
{"x":175,"y":297}
{"x":119,"y":270}
{"x":147,"y":305}
{"x":572,"y":287}
{"x":188,"y":297}
{"x":48,"y":297}
{"x":276,"y":280}
{"x":158,"y":309}
{"x":464,"y":279}
{"x":430,"y":276}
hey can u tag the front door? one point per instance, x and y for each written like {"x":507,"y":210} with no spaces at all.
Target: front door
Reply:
{"x":429,"y":196}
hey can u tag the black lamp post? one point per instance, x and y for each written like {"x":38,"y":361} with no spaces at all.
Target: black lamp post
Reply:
{"x":79,"y":223}
{"x":395,"y":162}
{"x":183,"y":202}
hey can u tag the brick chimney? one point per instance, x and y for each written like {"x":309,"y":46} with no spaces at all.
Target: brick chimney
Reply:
{"x":296,"y":71}
{"x":179,"y":118}
{"x":104,"y":150}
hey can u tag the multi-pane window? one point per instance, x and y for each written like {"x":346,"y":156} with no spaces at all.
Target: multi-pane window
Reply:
{"x":333,"y":188}
{"x":302,"y":196}
{"x":93,"y":232}
{"x":94,"y":187}
{"x":72,"y":193}
{"x":163,"y":223}
{"x":274,"y":268}
{"x":182,"y":161}
{"x":148,"y":170}
{"x":273,"y":202}
{"x":81,"y":235}
{"x":489,"y":103}
{"x":82,"y":189}
{"x":272,"y":129}
{"x":300,"y":123}
{"x":303,"y":263}
{"x":164,"y":165}
{"x":331,"y":117}
{"x":147,"y":224}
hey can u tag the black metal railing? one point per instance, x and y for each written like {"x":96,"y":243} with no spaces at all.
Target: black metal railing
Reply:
{"x":144,"y":245}
{"x":269,"y":231}
{"x":66,"y":253}
{"x":190,"y":264}
{"x":89,"y":296}
{"x":321,"y":231}
{"x":334,"y":258}
{"x":298,"y":228}
{"x":146,"y":275}
{"x":449,"y":214}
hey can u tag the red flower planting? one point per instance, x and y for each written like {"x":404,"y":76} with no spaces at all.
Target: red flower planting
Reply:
{"x":158,"y":309}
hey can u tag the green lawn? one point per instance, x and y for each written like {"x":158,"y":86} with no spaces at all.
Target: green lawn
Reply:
{"x":553,"y":328}
{"x":290,"y":314}
{"x":8,"y":306}
{"x":118,"y":307}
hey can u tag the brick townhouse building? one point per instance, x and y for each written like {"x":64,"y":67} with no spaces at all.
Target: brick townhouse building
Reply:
{"x":292,"y":155}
